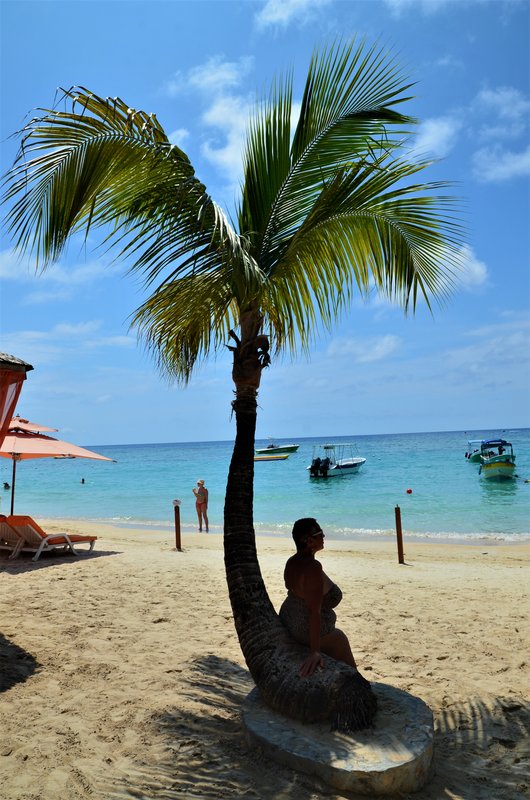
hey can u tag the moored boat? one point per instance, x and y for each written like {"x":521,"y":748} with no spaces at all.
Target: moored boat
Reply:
{"x":473,"y":450}
{"x":277,"y":457}
{"x":497,"y":460}
{"x":332,"y":460}
{"x":273,"y":448}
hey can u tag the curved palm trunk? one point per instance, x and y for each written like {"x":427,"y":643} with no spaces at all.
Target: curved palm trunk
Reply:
{"x":339,"y":692}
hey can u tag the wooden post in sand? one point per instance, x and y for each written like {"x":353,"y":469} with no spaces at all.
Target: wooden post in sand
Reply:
{"x":399,"y":536}
{"x":176,"y":506}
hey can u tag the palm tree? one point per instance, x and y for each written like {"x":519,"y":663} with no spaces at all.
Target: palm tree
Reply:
{"x":326,"y":211}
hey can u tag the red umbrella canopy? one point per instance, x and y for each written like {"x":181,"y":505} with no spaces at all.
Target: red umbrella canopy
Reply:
{"x":20,"y":445}
{"x":20,"y":424}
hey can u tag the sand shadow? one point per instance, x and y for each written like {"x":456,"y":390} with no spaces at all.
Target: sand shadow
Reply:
{"x":206,"y":754}
{"x":16,"y":665}
{"x":24,"y":561}
{"x":482,"y":749}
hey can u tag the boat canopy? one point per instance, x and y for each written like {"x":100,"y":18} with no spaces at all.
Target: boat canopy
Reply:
{"x":496,"y":443}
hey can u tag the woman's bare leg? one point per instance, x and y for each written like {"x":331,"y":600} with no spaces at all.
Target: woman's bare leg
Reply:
{"x":337,"y":646}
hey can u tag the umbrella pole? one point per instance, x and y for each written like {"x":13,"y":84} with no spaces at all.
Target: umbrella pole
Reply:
{"x":13,"y":478}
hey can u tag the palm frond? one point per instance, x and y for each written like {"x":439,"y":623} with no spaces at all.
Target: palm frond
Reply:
{"x":362,"y":233}
{"x":186,"y":319}
{"x":103,"y":164}
{"x":266,"y":161}
{"x":346,"y":116}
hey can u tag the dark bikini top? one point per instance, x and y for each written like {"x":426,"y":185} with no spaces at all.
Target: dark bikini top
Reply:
{"x":332,"y":597}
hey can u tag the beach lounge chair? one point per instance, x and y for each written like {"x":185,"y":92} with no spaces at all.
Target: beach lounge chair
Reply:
{"x":37,"y":540}
{"x":9,"y":538}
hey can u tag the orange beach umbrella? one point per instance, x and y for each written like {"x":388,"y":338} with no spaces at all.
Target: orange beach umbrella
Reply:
{"x":21,"y":424}
{"x":20,"y":445}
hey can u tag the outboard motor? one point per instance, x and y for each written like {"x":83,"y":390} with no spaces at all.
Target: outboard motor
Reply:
{"x":315,"y":466}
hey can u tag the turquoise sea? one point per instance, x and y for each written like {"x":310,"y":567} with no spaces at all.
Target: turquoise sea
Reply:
{"x":449,"y":499}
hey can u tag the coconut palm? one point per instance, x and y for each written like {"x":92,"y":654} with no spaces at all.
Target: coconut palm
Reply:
{"x":326,"y":211}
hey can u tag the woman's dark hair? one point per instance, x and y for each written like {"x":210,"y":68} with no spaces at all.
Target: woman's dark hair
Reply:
{"x":303,"y":528}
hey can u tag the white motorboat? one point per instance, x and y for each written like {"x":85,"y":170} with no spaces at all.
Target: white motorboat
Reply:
{"x":473,"y":450}
{"x":332,"y":460}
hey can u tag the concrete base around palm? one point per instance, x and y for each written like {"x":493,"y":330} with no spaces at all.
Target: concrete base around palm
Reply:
{"x":394,"y":755}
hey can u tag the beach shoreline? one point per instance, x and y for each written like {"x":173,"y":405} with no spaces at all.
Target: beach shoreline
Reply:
{"x":124,"y":677}
{"x":447,"y":500}
{"x":263,"y":530}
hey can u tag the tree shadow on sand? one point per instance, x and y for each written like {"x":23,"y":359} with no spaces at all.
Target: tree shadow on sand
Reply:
{"x":205,"y":754}
{"x":16,"y":665}
{"x":24,"y":561}
{"x":482,"y":749}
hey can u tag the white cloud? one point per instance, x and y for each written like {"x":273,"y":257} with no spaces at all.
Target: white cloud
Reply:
{"x":213,"y":76}
{"x":112,"y":341}
{"x":505,"y":112}
{"x":226,"y":116}
{"x":50,"y":346}
{"x":506,"y":101}
{"x":513,"y":323}
{"x":216,"y":75}
{"x":13,"y":268}
{"x":230,"y":116}
{"x":496,"y":347}
{"x":449,"y":61}
{"x":36,"y":347}
{"x":437,"y":136}
{"x":174,"y":85}
{"x":296,"y":108}
{"x":80,"y":329}
{"x":282,"y":12}
{"x":179,"y":137}
{"x":398,"y":7}
{"x":56,"y":283}
{"x":503,"y":131}
{"x":473,"y":273}
{"x":363,"y":351}
{"x":495,"y":164}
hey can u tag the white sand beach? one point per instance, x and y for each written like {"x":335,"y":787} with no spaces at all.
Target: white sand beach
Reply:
{"x":122,"y":675}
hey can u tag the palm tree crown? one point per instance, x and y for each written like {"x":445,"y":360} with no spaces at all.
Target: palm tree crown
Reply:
{"x":324,"y":210}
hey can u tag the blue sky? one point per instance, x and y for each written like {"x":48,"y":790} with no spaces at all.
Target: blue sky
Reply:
{"x":199,"y":66}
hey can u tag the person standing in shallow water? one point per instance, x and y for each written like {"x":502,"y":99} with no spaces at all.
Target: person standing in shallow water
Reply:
{"x":201,"y":503}
{"x":307,"y":611}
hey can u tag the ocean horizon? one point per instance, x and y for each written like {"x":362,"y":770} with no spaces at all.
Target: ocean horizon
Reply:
{"x":448,"y":500}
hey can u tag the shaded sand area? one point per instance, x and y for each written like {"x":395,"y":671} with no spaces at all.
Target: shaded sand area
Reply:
{"x":122,"y":676}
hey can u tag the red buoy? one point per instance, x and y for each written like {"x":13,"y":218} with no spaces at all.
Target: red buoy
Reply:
{"x":409,"y":491}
